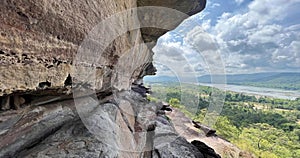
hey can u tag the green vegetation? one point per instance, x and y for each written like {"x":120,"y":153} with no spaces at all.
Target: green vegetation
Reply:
{"x":267,"y":127}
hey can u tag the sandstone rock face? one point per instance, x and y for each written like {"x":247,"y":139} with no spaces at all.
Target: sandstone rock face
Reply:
{"x":39,"y":41}
{"x":188,"y":7}
{"x":40,"y":38}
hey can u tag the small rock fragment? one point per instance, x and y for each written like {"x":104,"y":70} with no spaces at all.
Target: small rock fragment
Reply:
{"x":207,"y":151}
{"x":18,"y":101}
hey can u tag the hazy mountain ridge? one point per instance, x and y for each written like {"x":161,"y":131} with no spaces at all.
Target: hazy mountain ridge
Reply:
{"x":282,"y":80}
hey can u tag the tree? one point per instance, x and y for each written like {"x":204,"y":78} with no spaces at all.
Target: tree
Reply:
{"x":174,"y":102}
{"x":173,"y":94}
{"x":226,"y":129}
{"x":265,"y":139}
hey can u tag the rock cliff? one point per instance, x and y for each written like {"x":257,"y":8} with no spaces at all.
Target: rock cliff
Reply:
{"x":40,"y":38}
{"x":38,"y":43}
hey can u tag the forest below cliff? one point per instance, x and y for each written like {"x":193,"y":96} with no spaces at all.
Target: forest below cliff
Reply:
{"x":267,"y":127}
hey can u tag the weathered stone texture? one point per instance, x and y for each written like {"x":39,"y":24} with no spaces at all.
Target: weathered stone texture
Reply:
{"x":39,"y":39}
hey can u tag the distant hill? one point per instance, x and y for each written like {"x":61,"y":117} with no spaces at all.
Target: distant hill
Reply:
{"x":239,"y":77}
{"x":160,"y":79}
{"x":286,"y":80}
{"x":281,"y":80}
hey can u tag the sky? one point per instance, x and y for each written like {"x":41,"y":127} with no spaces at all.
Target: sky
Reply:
{"x":239,"y":36}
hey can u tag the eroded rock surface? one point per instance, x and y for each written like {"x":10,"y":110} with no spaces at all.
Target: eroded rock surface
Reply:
{"x":130,"y":128}
{"x":167,"y":142}
{"x":39,"y":39}
{"x":27,"y":127}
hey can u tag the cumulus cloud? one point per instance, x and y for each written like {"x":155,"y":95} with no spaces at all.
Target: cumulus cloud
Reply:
{"x":178,"y":57}
{"x":171,"y":57}
{"x":264,"y":36}
{"x":258,"y":37}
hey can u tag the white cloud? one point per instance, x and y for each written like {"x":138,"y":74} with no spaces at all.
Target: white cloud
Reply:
{"x":215,"y":5}
{"x":180,"y":57}
{"x":258,"y":37}
{"x":265,"y":11}
{"x":200,"y":39}
{"x":206,"y":25}
{"x":173,"y":56}
{"x":266,"y":34}
{"x":239,"y":1}
{"x":251,"y":40}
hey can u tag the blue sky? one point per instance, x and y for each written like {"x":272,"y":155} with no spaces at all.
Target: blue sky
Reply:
{"x":251,"y":35}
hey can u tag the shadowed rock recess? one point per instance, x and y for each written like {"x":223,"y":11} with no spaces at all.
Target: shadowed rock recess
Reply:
{"x":38,"y":118}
